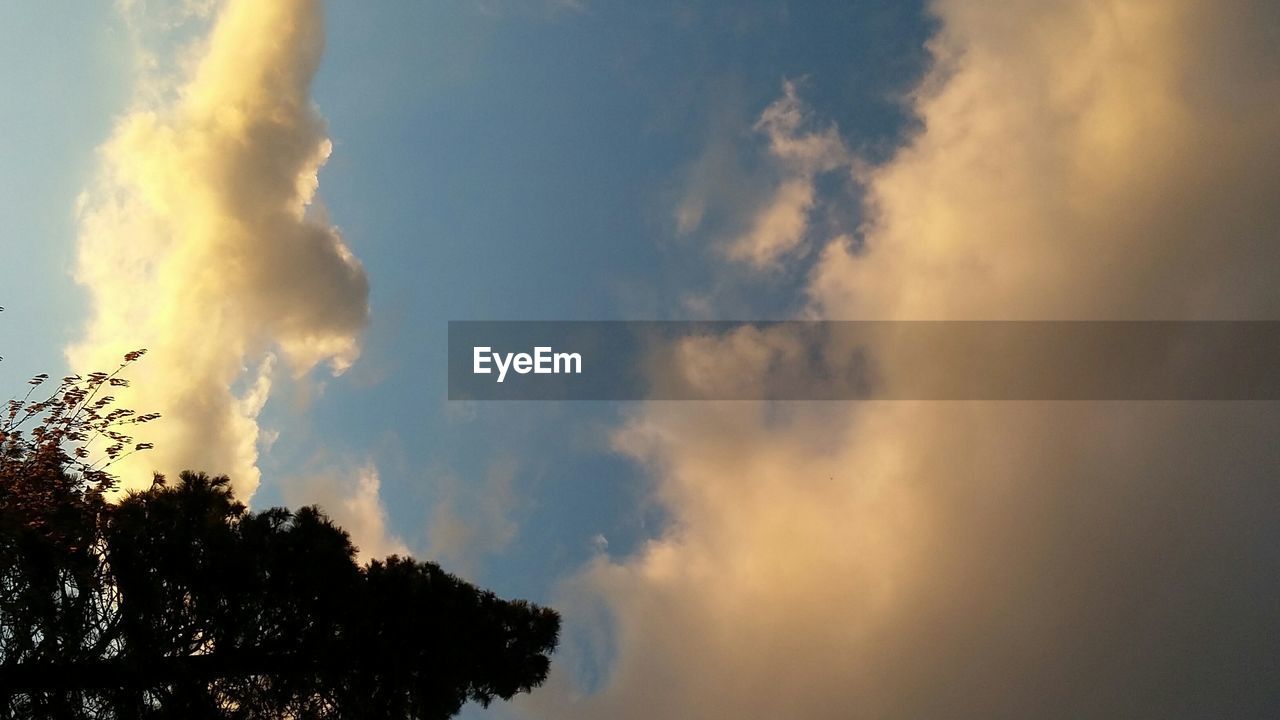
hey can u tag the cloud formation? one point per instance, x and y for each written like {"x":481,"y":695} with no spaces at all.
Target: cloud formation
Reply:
{"x":199,"y":240}
{"x":971,"y":560}
{"x":800,"y":155}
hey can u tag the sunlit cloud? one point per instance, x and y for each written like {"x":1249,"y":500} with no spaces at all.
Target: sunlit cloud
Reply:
{"x":352,"y":498}
{"x":1076,"y":160}
{"x":199,"y":241}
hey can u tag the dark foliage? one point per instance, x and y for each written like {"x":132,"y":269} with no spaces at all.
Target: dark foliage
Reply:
{"x":177,"y":602}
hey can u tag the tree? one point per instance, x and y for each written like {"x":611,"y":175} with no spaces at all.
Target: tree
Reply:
{"x":179,"y":602}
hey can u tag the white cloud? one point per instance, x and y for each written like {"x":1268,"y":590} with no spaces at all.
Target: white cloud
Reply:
{"x":196,"y":243}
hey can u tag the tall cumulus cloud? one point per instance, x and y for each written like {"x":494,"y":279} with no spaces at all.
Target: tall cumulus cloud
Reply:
{"x":199,"y":241}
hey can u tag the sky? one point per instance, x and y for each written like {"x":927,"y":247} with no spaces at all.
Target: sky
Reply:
{"x":286,"y":201}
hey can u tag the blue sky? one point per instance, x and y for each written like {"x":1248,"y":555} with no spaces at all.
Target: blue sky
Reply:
{"x":67,"y":75}
{"x":514,"y":161}
{"x":526,"y":165}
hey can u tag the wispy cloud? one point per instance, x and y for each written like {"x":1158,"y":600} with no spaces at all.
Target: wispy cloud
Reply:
{"x":470,"y":523}
{"x":798,"y":151}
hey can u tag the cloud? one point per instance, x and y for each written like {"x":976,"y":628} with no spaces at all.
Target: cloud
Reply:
{"x":800,"y":155}
{"x":779,"y":226}
{"x":351,"y":498}
{"x":199,"y":241}
{"x":470,"y":523}
{"x":1095,"y":161}
{"x":971,"y":560}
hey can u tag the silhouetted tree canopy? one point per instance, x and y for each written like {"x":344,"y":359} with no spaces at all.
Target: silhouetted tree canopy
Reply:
{"x":177,"y":602}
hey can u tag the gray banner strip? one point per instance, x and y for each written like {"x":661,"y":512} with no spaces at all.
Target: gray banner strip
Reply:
{"x":864,"y":360}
